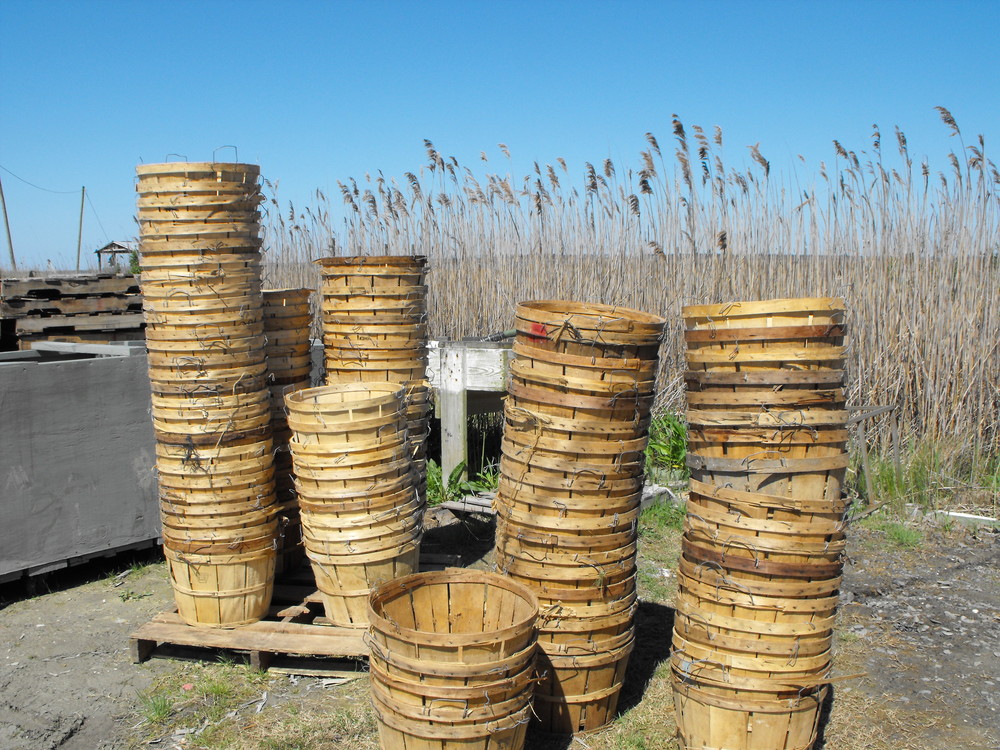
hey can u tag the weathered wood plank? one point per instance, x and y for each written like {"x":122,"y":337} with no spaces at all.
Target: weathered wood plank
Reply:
{"x":140,"y":650}
{"x":274,"y":637}
{"x":99,"y":322}
{"x":485,"y":365}
{"x":29,"y":340}
{"x":313,"y":668}
{"x":471,"y":504}
{"x":120,"y":349}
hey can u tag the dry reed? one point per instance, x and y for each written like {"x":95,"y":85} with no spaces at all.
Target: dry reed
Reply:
{"x":915,"y":254}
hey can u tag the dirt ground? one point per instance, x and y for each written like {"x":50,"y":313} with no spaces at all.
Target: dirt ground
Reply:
{"x":922,"y":621}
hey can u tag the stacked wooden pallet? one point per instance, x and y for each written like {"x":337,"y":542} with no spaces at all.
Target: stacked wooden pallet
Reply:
{"x":87,"y":308}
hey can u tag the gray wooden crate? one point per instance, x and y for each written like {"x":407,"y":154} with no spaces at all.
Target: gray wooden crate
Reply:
{"x":76,"y":459}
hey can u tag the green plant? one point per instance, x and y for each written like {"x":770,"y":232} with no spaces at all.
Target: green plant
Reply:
{"x":660,"y":516}
{"x":666,"y":451}
{"x":457,"y":487}
{"x":946,"y":524}
{"x":930,"y":474}
{"x":900,"y":534}
{"x":435,"y":483}
{"x":653,"y":586}
{"x":129,"y":595}
{"x":155,"y":707}
{"x":218,"y":688}
{"x":133,"y":263}
{"x":904,"y":536}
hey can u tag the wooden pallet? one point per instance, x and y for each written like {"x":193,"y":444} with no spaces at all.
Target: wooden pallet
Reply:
{"x":55,"y":287}
{"x":294,"y":633}
{"x":21,"y":307}
{"x":294,"y":638}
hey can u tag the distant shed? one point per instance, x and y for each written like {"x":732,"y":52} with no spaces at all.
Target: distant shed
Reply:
{"x":112,"y":250}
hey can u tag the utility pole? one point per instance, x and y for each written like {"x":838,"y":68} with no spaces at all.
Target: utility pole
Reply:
{"x":6,"y":223}
{"x":79,"y":237}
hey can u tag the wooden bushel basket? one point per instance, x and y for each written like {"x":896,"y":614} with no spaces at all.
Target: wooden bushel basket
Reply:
{"x":192,"y":265}
{"x":201,"y":171}
{"x":221,"y":591}
{"x":373,"y":271}
{"x":152,"y":201}
{"x":334,"y":407}
{"x":588,"y":367}
{"x":197,"y":269}
{"x":376,"y":333}
{"x":455,"y":616}
{"x":589,"y":329}
{"x":399,"y":731}
{"x":452,"y":654}
{"x":287,"y":301}
{"x":773,"y":335}
{"x":345,"y":581}
{"x":580,"y":692}
{"x":229,"y":249}
{"x":711,"y":721}
{"x":367,"y":371}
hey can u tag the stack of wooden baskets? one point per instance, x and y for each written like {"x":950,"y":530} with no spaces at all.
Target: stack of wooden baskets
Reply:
{"x":763,"y":539}
{"x":576,"y":427}
{"x":452,"y":661}
{"x":200,"y":256}
{"x":287,"y":322}
{"x":375,"y":330}
{"x":362,"y":519}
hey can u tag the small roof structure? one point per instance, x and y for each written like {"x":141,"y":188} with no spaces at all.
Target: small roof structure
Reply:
{"x":112,"y":250}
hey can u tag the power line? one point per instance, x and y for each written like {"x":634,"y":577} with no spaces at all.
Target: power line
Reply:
{"x":94,"y":210}
{"x":38,"y":187}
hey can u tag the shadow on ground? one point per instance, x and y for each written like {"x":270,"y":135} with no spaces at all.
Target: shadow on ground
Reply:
{"x":654,"y":624}
{"x":468,"y":536}
{"x":824,"y":719}
{"x":66,"y":578}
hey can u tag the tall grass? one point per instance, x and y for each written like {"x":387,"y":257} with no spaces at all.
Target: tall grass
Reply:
{"x":914,"y":252}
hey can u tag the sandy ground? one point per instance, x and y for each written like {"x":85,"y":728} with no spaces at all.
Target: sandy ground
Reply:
{"x":923,"y":623}
{"x":66,"y":679}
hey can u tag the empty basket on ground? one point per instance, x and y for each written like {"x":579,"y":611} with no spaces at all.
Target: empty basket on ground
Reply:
{"x":362,"y":518}
{"x":200,"y":257}
{"x":763,"y":541}
{"x":374,"y":312}
{"x":452,"y":657}
{"x":287,"y":324}
{"x":575,"y":429}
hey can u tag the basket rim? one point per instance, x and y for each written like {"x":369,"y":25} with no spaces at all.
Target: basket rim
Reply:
{"x":763,"y":307}
{"x":400,"y":586}
{"x":333,"y":261}
{"x":181,"y":167}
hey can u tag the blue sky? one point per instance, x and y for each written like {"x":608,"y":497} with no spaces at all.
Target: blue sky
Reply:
{"x":316,"y":92}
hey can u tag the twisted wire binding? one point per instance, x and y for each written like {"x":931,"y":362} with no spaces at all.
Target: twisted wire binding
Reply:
{"x":795,"y":653}
{"x":699,"y":620}
{"x":736,"y":542}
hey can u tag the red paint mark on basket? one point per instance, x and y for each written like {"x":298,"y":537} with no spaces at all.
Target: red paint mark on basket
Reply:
{"x":538,"y":332}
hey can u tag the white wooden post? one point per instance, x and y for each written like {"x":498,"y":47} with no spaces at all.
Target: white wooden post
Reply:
{"x":453,"y":410}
